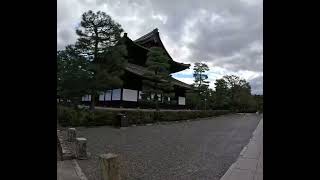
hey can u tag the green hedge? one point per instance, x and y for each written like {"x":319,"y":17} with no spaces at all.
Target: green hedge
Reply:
{"x":82,"y":117}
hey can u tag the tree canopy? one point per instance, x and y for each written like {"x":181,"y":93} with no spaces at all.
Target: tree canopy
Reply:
{"x":95,"y":62}
{"x":200,"y":78}
{"x":231,"y":92}
{"x":72,"y":75}
{"x":98,"y":36}
{"x":158,"y":80}
{"x":200,"y":95}
{"x":96,"y":33}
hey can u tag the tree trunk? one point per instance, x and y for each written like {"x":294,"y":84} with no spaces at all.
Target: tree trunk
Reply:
{"x":157,"y":105}
{"x":92,"y":105}
{"x":74,"y":103}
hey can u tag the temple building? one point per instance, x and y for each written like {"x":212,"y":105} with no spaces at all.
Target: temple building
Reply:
{"x":130,"y":93}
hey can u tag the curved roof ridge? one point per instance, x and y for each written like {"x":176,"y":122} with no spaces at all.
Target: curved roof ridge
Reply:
{"x":155,"y":35}
{"x":155,"y":32}
{"x":146,"y":35}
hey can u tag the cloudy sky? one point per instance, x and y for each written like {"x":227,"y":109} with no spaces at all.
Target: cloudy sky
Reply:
{"x":225,"y":34}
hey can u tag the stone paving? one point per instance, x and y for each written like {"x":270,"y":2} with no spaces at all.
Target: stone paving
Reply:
{"x":249,"y":165}
{"x":201,"y":149}
{"x":66,"y":170}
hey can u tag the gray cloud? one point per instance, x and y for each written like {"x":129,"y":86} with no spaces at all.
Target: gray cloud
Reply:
{"x":257,"y":85}
{"x":223,"y":33}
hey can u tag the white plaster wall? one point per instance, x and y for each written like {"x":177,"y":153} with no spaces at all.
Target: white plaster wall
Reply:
{"x":101,"y":96}
{"x":116,"y":94}
{"x":181,"y":100}
{"x":130,"y":95}
{"x":108,"y":95}
{"x":86,"y":98}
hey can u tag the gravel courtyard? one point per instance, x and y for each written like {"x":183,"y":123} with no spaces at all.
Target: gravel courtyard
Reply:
{"x":201,"y":149}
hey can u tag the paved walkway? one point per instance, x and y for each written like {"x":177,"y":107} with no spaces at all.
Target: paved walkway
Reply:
{"x":249,"y":165}
{"x":69,"y":170}
{"x":194,"y":150}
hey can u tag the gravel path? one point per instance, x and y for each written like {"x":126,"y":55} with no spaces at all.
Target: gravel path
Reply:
{"x":201,"y":149}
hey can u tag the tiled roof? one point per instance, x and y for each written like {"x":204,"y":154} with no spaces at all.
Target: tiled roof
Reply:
{"x":146,"y":36}
{"x":154,"y":34}
{"x":139,"y":70}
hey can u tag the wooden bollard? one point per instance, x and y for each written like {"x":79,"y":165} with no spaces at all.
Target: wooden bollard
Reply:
{"x":81,"y":148}
{"x":110,"y":167}
{"x":72,"y":134}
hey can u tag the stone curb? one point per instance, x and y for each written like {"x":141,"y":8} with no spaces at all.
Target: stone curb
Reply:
{"x":232,"y":167}
{"x":79,"y":172}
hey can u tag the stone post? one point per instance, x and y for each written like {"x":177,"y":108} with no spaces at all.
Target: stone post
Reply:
{"x":81,"y":148}
{"x":72,"y":134}
{"x":59,"y":150}
{"x":124,"y":121}
{"x":110,"y":167}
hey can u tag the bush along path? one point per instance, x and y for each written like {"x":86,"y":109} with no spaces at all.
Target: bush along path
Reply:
{"x":83,"y":117}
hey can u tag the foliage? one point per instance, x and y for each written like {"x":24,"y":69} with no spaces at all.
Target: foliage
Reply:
{"x":201,"y":85}
{"x":193,"y":100}
{"x":98,"y":37}
{"x":158,"y":80}
{"x":82,"y":117}
{"x":199,"y":74}
{"x":97,"y":32}
{"x":72,"y":75}
{"x":234,"y":93}
{"x":221,"y":96}
{"x":259,"y":102}
{"x":231,"y":93}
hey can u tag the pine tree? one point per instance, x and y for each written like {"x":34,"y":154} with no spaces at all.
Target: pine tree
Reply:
{"x":98,"y":37}
{"x":199,"y":74}
{"x":200,"y":81}
{"x":97,"y":32}
{"x":158,"y":80}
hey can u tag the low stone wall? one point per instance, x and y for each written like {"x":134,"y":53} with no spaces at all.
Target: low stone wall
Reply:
{"x":69,"y":146}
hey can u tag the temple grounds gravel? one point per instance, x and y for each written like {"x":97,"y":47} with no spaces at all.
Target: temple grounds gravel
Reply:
{"x":201,"y":149}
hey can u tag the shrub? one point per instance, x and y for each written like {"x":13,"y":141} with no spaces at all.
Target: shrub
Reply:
{"x":134,"y":117}
{"x":69,"y":116}
{"x":100,"y":118}
{"x":168,"y":116}
{"x":82,"y":117}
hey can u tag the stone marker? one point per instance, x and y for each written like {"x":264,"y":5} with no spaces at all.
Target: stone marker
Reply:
{"x":110,"y":167}
{"x":123,"y":120}
{"x":72,"y":134}
{"x":81,"y":148}
{"x":59,"y":150}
